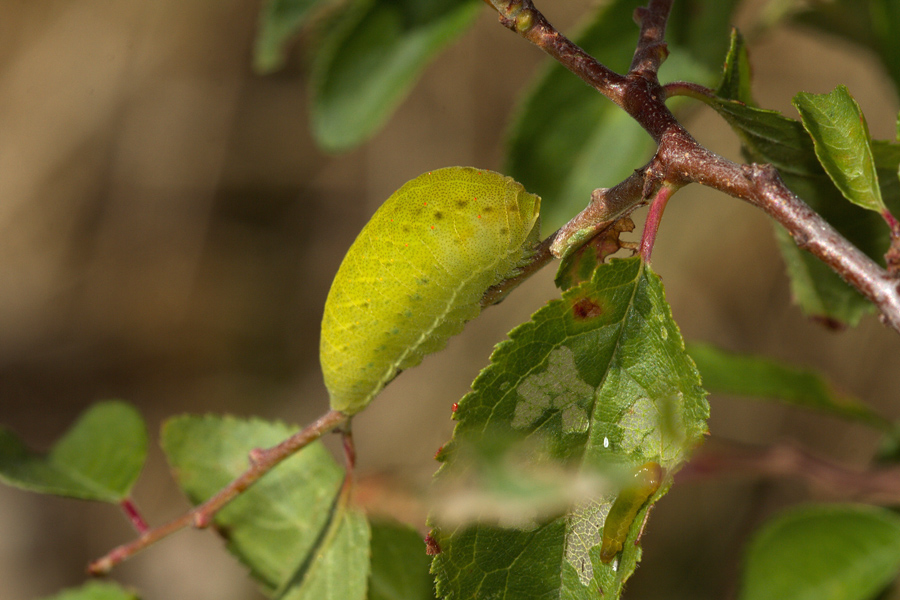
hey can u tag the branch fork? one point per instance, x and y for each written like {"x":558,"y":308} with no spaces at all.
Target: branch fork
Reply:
{"x":680,"y":160}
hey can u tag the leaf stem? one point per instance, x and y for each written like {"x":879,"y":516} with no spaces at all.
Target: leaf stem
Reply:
{"x":261,"y":462}
{"x":651,"y":225}
{"x":134,"y":515}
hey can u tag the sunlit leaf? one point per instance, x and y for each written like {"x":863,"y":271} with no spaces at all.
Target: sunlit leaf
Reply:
{"x":842,"y":143}
{"x":596,"y":383}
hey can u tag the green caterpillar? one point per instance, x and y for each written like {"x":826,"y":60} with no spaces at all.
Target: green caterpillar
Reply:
{"x":416,"y":273}
{"x":623,"y":511}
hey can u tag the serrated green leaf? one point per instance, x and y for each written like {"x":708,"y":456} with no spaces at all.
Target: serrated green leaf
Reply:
{"x":736,"y":76}
{"x":769,"y":137}
{"x":596,"y":380}
{"x":567,"y":139}
{"x":761,"y":377}
{"x":370,"y":59}
{"x":274,"y":526}
{"x":94,"y":590}
{"x":98,"y":458}
{"x":842,"y":143}
{"x":279,"y":22}
{"x":843,"y":552}
{"x":399,"y":564}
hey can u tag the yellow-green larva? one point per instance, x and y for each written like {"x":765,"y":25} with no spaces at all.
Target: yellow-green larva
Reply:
{"x":621,"y":515}
{"x":416,"y":274}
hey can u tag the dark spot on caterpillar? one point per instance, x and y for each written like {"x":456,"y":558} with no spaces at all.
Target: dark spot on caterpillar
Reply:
{"x":487,"y":209}
{"x":432,"y":548}
{"x":586,"y":309}
{"x":504,"y":230}
{"x":406,"y":229}
{"x":438,"y":215}
{"x":461,"y":203}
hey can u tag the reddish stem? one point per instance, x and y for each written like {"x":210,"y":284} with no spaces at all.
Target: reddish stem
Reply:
{"x":201,"y":516}
{"x":134,"y":515}
{"x":654,"y":216}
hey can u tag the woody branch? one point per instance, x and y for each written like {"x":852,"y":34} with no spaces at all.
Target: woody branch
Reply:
{"x":681,"y":160}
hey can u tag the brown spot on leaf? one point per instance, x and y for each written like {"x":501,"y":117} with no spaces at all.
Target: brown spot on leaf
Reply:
{"x":432,"y":548}
{"x":586,"y":308}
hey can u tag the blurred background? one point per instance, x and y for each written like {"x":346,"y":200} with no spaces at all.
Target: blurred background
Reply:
{"x":168,"y":232}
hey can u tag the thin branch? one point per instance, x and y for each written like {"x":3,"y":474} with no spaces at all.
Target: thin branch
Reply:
{"x":607,"y":205}
{"x":680,"y":159}
{"x":720,"y":457}
{"x":651,"y":47}
{"x":761,"y":186}
{"x":261,"y":462}
{"x":522,"y":17}
{"x":134,"y":515}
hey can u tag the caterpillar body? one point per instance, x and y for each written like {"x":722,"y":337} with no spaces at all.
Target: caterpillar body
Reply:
{"x":416,"y":273}
{"x":623,"y":511}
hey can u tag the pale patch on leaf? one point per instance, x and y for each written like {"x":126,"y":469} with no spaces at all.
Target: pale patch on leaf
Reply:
{"x":559,"y":388}
{"x":585,"y":532}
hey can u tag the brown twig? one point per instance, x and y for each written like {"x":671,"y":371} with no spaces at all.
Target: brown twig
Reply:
{"x":680,"y":159}
{"x":719,"y":457}
{"x":261,"y":462}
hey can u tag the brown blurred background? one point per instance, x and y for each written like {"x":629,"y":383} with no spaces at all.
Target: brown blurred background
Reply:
{"x":168,"y":231}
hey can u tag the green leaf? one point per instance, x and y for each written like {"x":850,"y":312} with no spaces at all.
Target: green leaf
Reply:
{"x":279,"y":22}
{"x":842,"y":552}
{"x":842,"y":143}
{"x":769,"y":137}
{"x":338,"y":568}
{"x":98,"y":458}
{"x":399,"y":564}
{"x":736,"y":76}
{"x":595,"y":383}
{"x":370,"y":59}
{"x":279,"y":522}
{"x":567,"y":139}
{"x":758,"y":376}
{"x":94,"y":590}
